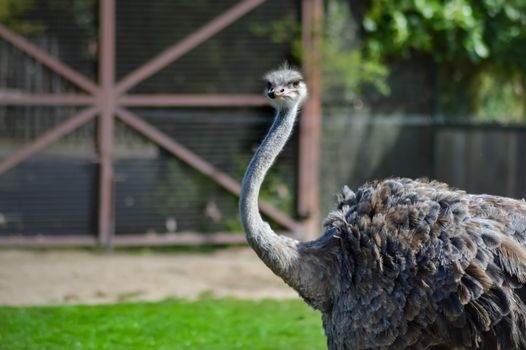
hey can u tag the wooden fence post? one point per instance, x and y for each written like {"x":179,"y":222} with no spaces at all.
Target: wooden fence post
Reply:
{"x":310,"y":123}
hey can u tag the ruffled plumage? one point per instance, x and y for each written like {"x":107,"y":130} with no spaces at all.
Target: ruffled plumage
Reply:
{"x":420,"y":265}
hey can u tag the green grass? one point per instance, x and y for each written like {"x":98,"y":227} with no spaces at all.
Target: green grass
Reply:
{"x":174,"y":324}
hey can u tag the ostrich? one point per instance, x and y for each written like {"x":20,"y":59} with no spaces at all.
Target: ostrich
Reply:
{"x":402,"y":264}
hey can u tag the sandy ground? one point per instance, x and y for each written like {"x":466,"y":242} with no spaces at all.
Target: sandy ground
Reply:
{"x":72,"y":277}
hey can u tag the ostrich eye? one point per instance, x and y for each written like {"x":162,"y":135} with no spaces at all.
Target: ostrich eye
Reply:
{"x":269,"y":84}
{"x":295,"y":83}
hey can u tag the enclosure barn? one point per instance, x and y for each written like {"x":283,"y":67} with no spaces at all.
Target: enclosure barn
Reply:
{"x":159,"y":159}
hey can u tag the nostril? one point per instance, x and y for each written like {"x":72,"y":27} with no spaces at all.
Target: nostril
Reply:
{"x":282,"y":90}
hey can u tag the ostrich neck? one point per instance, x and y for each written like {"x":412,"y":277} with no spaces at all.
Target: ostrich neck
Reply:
{"x":278,"y":252}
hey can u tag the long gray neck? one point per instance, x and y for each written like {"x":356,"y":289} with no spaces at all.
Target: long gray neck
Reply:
{"x":279,"y":253}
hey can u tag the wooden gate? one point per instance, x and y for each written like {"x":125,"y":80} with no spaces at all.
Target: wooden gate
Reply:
{"x":110,"y":99}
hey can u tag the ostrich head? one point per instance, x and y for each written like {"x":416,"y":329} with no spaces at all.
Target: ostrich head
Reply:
{"x":285,"y":88}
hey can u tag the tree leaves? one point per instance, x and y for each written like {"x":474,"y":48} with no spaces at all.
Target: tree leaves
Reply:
{"x":447,"y":29}
{"x":471,"y":40}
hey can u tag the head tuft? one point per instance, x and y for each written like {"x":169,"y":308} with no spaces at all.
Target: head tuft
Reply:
{"x":285,"y":87}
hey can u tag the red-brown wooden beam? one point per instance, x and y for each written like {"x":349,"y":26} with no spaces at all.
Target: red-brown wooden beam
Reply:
{"x":41,"y":241}
{"x":310,"y":123}
{"x":123,"y":240}
{"x":138,"y":240}
{"x":47,"y":138}
{"x":201,"y":165}
{"x":48,"y":60}
{"x":163,"y":100}
{"x":187,"y":44}
{"x":23,"y":99}
{"x":107,"y":103}
{"x":191,"y":100}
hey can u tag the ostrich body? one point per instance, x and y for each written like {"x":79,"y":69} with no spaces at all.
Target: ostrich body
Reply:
{"x":402,"y":264}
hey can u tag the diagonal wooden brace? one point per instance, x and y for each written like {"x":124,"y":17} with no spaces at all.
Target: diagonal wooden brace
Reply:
{"x":187,"y":100}
{"x":48,"y":60}
{"x":47,"y":138}
{"x":23,"y":99}
{"x":187,"y":44}
{"x":201,"y":165}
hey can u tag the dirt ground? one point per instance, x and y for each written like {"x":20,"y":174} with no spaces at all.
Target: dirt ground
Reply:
{"x":72,"y":277}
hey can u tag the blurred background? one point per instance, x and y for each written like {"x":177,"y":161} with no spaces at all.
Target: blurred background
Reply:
{"x":131,"y":122}
{"x":127,"y":124}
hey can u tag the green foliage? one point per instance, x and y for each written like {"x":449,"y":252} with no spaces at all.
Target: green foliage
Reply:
{"x":500,"y":97}
{"x":449,"y":30}
{"x":11,"y":14}
{"x":282,"y":31}
{"x":480,"y":44}
{"x":347,"y":67}
{"x":175,"y":325}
